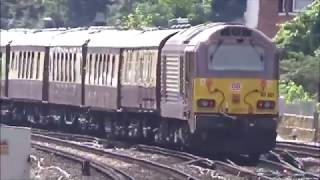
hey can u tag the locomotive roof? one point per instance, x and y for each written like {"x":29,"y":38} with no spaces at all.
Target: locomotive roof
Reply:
{"x":201,"y":33}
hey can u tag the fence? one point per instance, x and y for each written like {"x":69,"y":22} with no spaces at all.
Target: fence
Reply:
{"x":302,"y":108}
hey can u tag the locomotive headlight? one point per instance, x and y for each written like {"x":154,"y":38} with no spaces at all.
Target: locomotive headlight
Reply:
{"x":265,"y":104}
{"x":206,"y":103}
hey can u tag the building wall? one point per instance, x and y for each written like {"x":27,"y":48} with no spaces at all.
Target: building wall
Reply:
{"x":251,"y":15}
{"x":269,"y":17}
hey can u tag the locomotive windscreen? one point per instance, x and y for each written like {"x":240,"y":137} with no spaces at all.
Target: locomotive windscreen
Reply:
{"x":244,"y":57}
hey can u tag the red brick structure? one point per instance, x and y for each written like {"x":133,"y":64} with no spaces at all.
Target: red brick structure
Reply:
{"x":274,"y":12}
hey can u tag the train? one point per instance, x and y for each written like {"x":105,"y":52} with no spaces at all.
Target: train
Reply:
{"x":212,"y":87}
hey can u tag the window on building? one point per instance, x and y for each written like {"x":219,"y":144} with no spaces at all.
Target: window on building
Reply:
{"x":293,"y":5}
{"x":300,"y":5}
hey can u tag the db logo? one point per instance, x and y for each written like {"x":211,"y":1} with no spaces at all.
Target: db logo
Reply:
{"x":235,"y":86}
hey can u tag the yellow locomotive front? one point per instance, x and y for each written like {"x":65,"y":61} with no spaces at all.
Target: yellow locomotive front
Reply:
{"x":235,"y":91}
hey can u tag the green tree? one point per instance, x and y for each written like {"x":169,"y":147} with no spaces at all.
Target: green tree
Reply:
{"x":300,"y":38}
{"x":292,"y":92}
{"x":159,"y":12}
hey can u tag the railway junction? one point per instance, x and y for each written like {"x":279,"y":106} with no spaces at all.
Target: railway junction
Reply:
{"x":57,"y":155}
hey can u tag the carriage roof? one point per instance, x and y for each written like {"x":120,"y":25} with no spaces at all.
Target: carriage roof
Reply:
{"x":112,"y":37}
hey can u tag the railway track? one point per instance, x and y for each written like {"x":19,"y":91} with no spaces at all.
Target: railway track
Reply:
{"x":171,"y":160}
{"x":107,"y":171}
{"x":299,"y":149}
{"x":137,"y":168}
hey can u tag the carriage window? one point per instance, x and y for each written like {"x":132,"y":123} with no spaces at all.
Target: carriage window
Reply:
{"x":12,"y":60}
{"x":31,"y":65}
{"x":113,"y":69}
{"x":104,"y":70}
{"x":149,"y":66}
{"x":96,"y":69}
{"x":74,"y":66}
{"x":89,"y":68}
{"x":53,"y":66}
{"x":27,"y":65}
{"x":58,"y":67}
{"x":129,"y":66}
{"x":70,"y":67}
{"x":108,"y":69}
{"x":15,"y":57}
{"x":100,"y":70}
{"x":27,"y":70}
{"x":137,"y":66}
{"x":20,"y":65}
{"x":141,"y":65}
{"x":1,"y":66}
{"x":62,"y":67}
{"x":1,"y":60}
{"x":242,"y":58}
{"x":23,"y":64}
{"x":66,"y":72}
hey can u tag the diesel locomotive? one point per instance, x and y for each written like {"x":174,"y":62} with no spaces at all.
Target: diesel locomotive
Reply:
{"x":211,"y":87}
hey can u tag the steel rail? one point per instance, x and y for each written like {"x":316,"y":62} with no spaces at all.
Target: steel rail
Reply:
{"x":108,"y":171}
{"x":299,"y":149}
{"x":177,"y":174}
{"x":204,"y":162}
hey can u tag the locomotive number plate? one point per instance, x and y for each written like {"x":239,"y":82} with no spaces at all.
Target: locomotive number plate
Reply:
{"x":235,"y":86}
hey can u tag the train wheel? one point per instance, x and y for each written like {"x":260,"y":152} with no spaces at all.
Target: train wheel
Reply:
{"x":108,"y":125}
{"x":134,"y":129}
{"x":18,"y":114}
{"x":161,"y":133}
{"x":83,"y":124}
{"x":147,"y":131}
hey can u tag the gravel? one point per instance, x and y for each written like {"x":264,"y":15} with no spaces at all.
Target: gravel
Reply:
{"x":47,"y":166}
{"x":136,"y":171}
{"x":176,"y":163}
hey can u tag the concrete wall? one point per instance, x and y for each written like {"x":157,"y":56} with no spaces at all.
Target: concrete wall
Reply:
{"x":15,"y":148}
{"x":303,"y":127}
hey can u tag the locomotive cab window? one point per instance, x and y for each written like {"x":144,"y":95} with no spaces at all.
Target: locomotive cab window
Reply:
{"x":244,"y":57}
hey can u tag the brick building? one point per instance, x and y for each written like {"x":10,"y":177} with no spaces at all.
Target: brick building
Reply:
{"x":265,"y":15}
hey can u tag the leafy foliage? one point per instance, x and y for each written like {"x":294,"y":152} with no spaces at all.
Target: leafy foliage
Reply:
{"x":131,"y":13}
{"x":301,"y":40}
{"x":30,"y":13}
{"x":159,"y":12}
{"x":292,"y":92}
